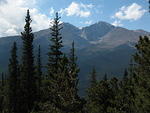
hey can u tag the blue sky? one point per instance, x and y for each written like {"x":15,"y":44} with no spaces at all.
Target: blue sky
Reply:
{"x":102,"y":10}
{"x":131,"y":14}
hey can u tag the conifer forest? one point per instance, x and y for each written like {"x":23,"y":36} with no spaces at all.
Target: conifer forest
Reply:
{"x":31,"y":86}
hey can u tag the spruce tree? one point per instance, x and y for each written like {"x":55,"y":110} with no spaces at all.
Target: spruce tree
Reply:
{"x":39,"y":71}
{"x":62,"y":74}
{"x":100,"y":97}
{"x":13,"y":81}
{"x":142,"y":74}
{"x":105,"y":77}
{"x":93,"y":77}
{"x":2,"y":93}
{"x":2,"y":80}
{"x":76,"y":103}
{"x":91,"y":91}
{"x":73,"y":72}
{"x":27,"y":79}
{"x":55,"y":53}
{"x":55,"y":56}
{"x":114,"y":87}
{"x":125,"y":99}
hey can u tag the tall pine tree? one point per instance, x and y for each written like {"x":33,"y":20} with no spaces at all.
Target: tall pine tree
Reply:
{"x":55,"y":56}
{"x":55,"y":53}
{"x":27,"y":79}
{"x":39,"y":71}
{"x":13,"y":81}
{"x":93,"y":77}
{"x":142,"y":74}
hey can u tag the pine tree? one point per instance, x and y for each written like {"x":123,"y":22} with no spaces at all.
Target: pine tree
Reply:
{"x":63,"y":74}
{"x":125,"y":99}
{"x":73,"y":71}
{"x":2,"y":92}
{"x":2,"y":80}
{"x":91,"y":91}
{"x":55,"y":54}
{"x":125,"y":74}
{"x":76,"y":102}
{"x":27,"y":79}
{"x":100,"y":97}
{"x":105,"y":77}
{"x":39,"y":71}
{"x":93,"y":77}
{"x":114,"y":87}
{"x":142,"y":74}
{"x":13,"y":81}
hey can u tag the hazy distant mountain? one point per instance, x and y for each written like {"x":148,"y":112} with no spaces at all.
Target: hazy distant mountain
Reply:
{"x":119,"y":36}
{"x":102,"y":45}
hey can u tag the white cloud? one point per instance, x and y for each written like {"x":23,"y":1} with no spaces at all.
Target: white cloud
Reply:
{"x":131,"y":12}
{"x":117,"y":23}
{"x":12,"y":15}
{"x":52,"y":11}
{"x":77,"y":9}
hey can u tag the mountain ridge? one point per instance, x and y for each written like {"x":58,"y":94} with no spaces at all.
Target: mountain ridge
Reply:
{"x":101,"y":45}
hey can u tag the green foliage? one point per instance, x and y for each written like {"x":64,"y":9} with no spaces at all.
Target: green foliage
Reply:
{"x":55,"y":54}
{"x":39,"y":73}
{"x":62,"y":74}
{"x":27,"y":78}
{"x":93,"y":77}
{"x":100,"y":97}
{"x":13,"y":84}
{"x":142,"y":72}
{"x":2,"y":96}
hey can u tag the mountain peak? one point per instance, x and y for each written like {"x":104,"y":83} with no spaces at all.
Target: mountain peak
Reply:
{"x":96,"y":31}
{"x":104,"y":23}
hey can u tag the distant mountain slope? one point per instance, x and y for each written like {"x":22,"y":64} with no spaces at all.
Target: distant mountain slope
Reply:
{"x":119,"y":36}
{"x":102,"y":45}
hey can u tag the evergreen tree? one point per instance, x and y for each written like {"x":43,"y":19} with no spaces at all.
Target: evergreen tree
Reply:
{"x":92,"y":90}
{"x":76,"y":102}
{"x":73,"y":72}
{"x":114,"y":86}
{"x":125,"y":99}
{"x":2,"y":92}
{"x":39,"y":71}
{"x":62,"y":74}
{"x":142,"y":75}
{"x":55,"y":54}
{"x":93,"y":77}
{"x":27,"y":79}
{"x":13,"y":81}
{"x":105,"y":77}
{"x":100,"y":97}
{"x":2,"y":80}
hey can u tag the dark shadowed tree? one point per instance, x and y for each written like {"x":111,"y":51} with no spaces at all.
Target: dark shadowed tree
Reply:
{"x":55,"y":53}
{"x":39,"y":71}
{"x":13,"y":81}
{"x":93,"y":77}
{"x":142,"y":74}
{"x":27,"y":79}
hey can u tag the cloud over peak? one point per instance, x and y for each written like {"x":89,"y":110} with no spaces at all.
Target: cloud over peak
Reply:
{"x":77,"y":9}
{"x":131,"y":12}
